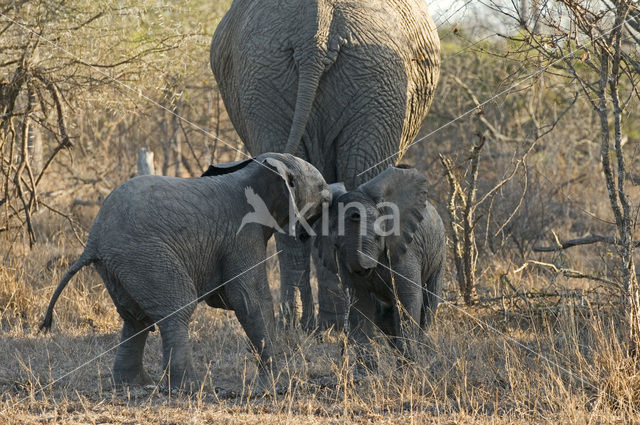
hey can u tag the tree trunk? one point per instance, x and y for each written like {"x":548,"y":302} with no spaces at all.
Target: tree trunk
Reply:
{"x":177,"y":139}
{"x":610,"y":57}
{"x":145,"y":162}
{"x":35,"y":149}
{"x":629,"y":278}
{"x":34,"y":143}
{"x":166,"y":146}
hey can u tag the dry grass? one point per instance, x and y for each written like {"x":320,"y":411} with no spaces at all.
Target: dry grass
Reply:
{"x":509,"y":360}
{"x":540,"y":360}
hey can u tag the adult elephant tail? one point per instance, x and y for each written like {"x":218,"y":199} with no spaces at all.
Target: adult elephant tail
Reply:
{"x":313,"y":58}
{"x":308,"y":81}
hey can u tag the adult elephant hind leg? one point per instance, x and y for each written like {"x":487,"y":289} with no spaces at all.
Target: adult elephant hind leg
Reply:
{"x":331,"y":303}
{"x":128,"y":367}
{"x":294,"y":281}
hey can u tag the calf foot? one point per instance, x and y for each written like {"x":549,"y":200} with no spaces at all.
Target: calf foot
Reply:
{"x":186,"y":382}
{"x":132,"y":376}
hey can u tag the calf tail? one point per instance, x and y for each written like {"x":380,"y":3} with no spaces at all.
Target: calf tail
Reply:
{"x":84,"y":260}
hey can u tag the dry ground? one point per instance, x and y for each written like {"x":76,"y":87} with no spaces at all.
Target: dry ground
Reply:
{"x":513,"y":360}
{"x":519,"y":356}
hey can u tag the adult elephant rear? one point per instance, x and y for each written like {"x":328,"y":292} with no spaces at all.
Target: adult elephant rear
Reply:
{"x":343,"y":84}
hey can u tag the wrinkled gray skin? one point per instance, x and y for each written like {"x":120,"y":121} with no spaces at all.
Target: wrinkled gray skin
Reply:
{"x":342,"y":84}
{"x":417,"y":253}
{"x":161,"y":244}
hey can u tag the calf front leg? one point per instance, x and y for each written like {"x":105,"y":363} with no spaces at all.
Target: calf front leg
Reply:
{"x":407,"y":306}
{"x":361,"y":324}
{"x":251,"y":301}
{"x":294,"y":279}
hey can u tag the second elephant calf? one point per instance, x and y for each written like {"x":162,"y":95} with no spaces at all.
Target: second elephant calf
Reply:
{"x":387,"y":242}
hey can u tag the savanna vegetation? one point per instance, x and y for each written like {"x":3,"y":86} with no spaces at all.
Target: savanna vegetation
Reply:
{"x":531,"y":149}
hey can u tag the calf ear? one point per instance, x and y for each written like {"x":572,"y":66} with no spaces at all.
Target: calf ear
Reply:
{"x":337,"y":189}
{"x":282,"y":170}
{"x":225,"y":168}
{"x":406,"y":189}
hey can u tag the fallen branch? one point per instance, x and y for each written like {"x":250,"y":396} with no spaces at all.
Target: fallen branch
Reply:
{"x":83,"y":202}
{"x":587,"y":240}
{"x":534,"y":295}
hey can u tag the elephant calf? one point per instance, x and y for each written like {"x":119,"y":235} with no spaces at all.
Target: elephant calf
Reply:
{"x":161,"y":244}
{"x":386,"y":224}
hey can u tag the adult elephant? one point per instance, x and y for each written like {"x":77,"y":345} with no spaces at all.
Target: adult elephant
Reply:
{"x":342,"y":84}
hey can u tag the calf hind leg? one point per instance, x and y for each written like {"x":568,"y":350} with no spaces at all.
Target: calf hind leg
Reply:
{"x":164,"y":294}
{"x":127,"y":367}
{"x":176,"y":354}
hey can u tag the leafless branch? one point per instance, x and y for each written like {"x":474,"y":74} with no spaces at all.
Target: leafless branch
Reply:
{"x":569,"y":273}
{"x":587,"y":240}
